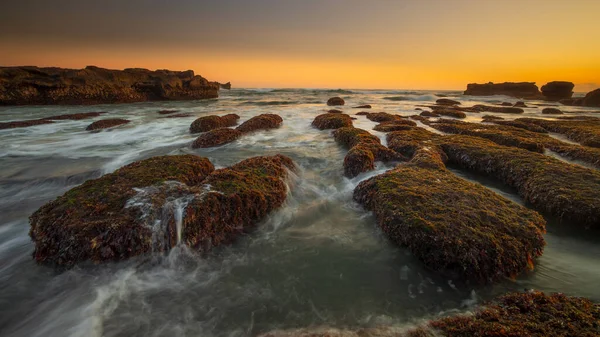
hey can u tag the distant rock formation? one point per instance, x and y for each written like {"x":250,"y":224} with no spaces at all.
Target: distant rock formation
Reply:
{"x":557,"y":90}
{"x":93,"y":85}
{"x":519,"y":90}
{"x":591,"y":99}
{"x":225,"y":86}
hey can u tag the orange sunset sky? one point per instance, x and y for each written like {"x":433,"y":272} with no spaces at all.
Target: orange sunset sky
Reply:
{"x":428,"y":44}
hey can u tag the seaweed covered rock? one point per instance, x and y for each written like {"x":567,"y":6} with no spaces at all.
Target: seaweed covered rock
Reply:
{"x":450,"y":112}
{"x":552,"y":111}
{"x":532,"y":314}
{"x":49,"y":120}
{"x":520,"y":89}
{"x":586,"y":132}
{"x":399,"y":124}
{"x":489,"y":118}
{"x":381,"y":117}
{"x":239,"y":197}
{"x":207,"y":123}
{"x":447,"y":101}
{"x":106,"y":123}
{"x":557,"y":90}
{"x":216,"y":137}
{"x":335,"y":101}
{"x":568,"y":191}
{"x":365,"y":149}
{"x":498,"y":109}
{"x":479,"y":236}
{"x":260,"y":122}
{"x":92,"y":221}
{"x":331,"y":121}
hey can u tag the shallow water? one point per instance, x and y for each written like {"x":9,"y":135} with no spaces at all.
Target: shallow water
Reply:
{"x":319,"y":260}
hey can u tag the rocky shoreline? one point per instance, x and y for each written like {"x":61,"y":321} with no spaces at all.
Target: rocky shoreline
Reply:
{"x":94,"y":85}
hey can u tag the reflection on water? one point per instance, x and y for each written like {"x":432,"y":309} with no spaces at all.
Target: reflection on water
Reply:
{"x":319,"y":260}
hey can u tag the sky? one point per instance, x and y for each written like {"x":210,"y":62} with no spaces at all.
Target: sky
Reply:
{"x":395,"y":44}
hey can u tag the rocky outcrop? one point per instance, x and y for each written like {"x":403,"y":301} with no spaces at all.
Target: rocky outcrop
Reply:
{"x":331,"y":121}
{"x":207,"y":123}
{"x":336,"y":101}
{"x":93,"y":85}
{"x":221,"y":135}
{"x":438,"y":217}
{"x":216,"y":137}
{"x":106,"y":123}
{"x":519,"y":90}
{"x":592,"y":99}
{"x":585,"y":132}
{"x":557,"y":90}
{"x":226,"y":86}
{"x":132,"y":211}
{"x":49,"y":120}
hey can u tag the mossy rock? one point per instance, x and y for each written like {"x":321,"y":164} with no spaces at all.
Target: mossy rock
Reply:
{"x":381,"y":117}
{"x":216,"y":137}
{"x":498,"y":109}
{"x":365,"y":149}
{"x":260,"y":122}
{"x":106,"y":123}
{"x":429,"y":114}
{"x":239,"y":197}
{"x":91,"y":221}
{"x":453,"y":226}
{"x":586,"y":132}
{"x":396,"y":125}
{"x":207,"y":123}
{"x":331,"y":121}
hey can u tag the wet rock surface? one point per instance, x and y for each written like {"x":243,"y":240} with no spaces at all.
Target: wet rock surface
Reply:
{"x":260,"y":122}
{"x":478,"y":236}
{"x":115,"y":217}
{"x":331,"y":121}
{"x":207,"y":123}
{"x":94,"y":85}
{"x":216,"y":137}
{"x":48,"y":120}
{"x":106,"y":123}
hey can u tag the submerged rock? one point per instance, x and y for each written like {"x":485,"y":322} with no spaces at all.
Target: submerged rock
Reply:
{"x":498,"y":109}
{"x":453,"y":226}
{"x":167,"y":112}
{"x":93,"y":85}
{"x":216,"y":137}
{"x":335,"y":111}
{"x":49,"y":120}
{"x":365,"y":149}
{"x":519,"y":90}
{"x":381,"y":117}
{"x":336,"y":101}
{"x":207,"y":123}
{"x":399,"y":124}
{"x":261,"y":122}
{"x":520,"y":104}
{"x":557,"y":90}
{"x":106,"y":123}
{"x":122,"y":214}
{"x":365,"y":106}
{"x":429,"y":114}
{"x":331,"y":121}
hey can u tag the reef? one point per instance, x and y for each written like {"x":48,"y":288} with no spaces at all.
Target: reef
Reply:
{"x":106,"y":123}
{"x":93,"y":85}
{"x":207,"y":123}
{"x":122,"y":214}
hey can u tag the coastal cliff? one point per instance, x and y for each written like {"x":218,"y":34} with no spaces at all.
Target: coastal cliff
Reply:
{"x":94,"y":85}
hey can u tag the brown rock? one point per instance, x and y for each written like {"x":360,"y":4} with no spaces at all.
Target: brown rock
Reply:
{"x":520,"y":90}
{"x":552,"y":111}
{"x":520,"y":104}
{"x":335,"y":101}
{"x":207,"y":123}
{"x":446,"y":101}
{"x":106,"y":123}
{"x":592,"y":99}
{"x":335,"y":111}
{"x":216,"y":137}
{"x":331,"y":121}
{"x":366,"y":106}
{"x":428,"y":114}
{"x":93,"y":85}
{"x":261,"y":122}
{"x":557,"y":90}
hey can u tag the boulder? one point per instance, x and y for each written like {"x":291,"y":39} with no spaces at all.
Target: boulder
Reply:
{"x":216,"y":137}
{"x":446,"y":101}
{"x":207,"y":123}
{"x":106,"y":123}
{"x":331,"y":121}
{"x":93,"y":85}
{"x":261,"y":122}
{"x":519,"y":90}
{"x":335,"y":101}
{"x":458,"y":228}
{"x":552,"y":111}
{"x":557,"y":90}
